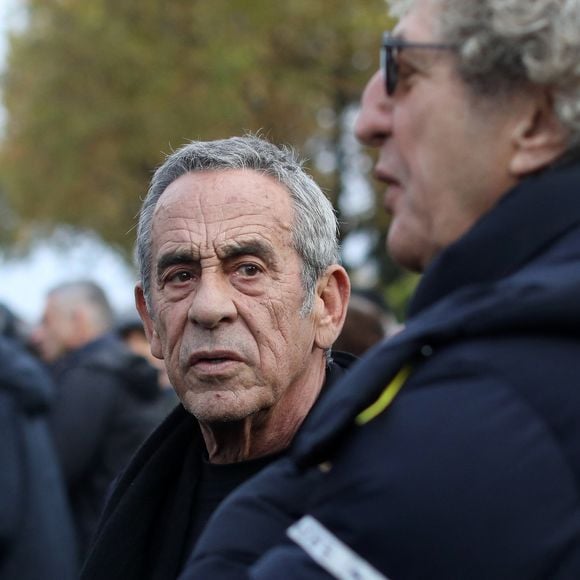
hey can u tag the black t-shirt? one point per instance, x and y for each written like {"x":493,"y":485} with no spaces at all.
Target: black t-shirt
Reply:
{"x":216,"y":482}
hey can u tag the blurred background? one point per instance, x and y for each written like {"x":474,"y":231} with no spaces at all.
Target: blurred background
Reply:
{"x":94,"y":94}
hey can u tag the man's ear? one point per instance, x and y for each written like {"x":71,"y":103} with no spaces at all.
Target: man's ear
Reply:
{"x":148,"y":323}
{"x":539,"y":138}
{"x":331,"y":302}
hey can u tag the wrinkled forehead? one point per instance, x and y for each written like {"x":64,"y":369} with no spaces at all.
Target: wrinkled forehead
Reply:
{"x":229,"y":189}
{"x":224,"y":201}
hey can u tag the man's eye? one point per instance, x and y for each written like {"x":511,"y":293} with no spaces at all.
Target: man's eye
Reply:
{"x":249,"y":270}
{"x":180,"y":277}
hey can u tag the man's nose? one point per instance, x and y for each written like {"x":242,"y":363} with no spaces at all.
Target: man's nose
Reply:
{"x":212,"y":302}
{"x":373,"y":124}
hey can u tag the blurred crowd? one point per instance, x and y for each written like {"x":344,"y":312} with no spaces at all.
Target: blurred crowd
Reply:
{"x":79,"y":392}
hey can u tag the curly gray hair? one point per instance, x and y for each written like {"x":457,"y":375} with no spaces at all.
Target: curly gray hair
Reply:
{"x":315,"y":228}
{"x":507,"y":45}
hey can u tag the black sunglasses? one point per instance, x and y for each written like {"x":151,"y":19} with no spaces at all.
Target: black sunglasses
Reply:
{"x":391,"y":47}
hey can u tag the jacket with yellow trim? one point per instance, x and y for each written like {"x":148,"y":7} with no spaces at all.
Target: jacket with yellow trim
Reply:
{"x":472,"y":471}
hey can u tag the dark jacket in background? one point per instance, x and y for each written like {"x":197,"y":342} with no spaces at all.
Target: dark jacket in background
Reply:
{"x":143,"y":532}
{"x":36,"y":535}
{"x":108,"y":401}
{"x":473,"y":470}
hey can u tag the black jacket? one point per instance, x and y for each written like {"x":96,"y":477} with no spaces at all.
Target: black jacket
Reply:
{"x":467,"y":464}
{"x":108,"y":401}
{"x":36,"y":533}
{"x":143,"y":532}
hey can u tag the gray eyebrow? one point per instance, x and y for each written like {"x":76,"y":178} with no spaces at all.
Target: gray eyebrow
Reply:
{"x":250,"y":248}
{"x":229,"y":251}
{"x":173,"y":258}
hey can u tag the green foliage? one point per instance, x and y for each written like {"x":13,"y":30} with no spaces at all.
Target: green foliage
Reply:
{"x":96,"y":92}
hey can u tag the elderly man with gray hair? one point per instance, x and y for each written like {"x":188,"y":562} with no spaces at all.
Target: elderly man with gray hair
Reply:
{"x":242,"y":295}
{"x":107,"y":399}
{"x":451,"y":451}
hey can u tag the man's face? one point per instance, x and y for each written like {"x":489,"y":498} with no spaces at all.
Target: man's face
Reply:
{"x":226,"y":294}
{"x":444,"y":160}
{"x":52,"y":336}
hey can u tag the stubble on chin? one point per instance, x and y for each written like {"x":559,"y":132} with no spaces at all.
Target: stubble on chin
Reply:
{"x":224,"y":406}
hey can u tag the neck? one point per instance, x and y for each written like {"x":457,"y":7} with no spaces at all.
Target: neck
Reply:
{"x":267,"y":432}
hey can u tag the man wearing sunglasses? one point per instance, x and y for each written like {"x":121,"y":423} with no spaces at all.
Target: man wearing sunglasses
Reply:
{"x":451,"y":451}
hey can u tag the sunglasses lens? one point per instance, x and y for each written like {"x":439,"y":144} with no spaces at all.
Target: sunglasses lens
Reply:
{"x":390,"y":71}
{"x":383,"y":55}
{"x":389,"y":68}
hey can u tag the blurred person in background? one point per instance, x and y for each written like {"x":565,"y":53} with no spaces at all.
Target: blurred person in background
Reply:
{"x":37,"y":539}
{"x":368,"y":321}
{"x":242,"y":295}
{"x":452,"y":450}
{"x":132,"y":332}
{"x":107,"y":398}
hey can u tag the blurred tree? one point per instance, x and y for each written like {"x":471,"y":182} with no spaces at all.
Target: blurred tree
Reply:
{"x":96,"y":92}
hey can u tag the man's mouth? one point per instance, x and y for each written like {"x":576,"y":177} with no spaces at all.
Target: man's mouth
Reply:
{"x":384,"y":176}
{"x":213,"y":360}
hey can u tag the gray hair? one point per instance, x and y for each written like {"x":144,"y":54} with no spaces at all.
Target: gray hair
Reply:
{"x":315,"y":228}
{"x":510,"y":45}
{"x":88,"y":295}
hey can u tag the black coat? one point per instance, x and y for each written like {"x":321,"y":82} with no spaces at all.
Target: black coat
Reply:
{"x":36,"y":533}
{"x":108,"y":402}
{"x":143,"y":532}
{"x":467,"y":464}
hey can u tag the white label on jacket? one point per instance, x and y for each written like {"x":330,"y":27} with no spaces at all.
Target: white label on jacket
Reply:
{"x":331,"y":553}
